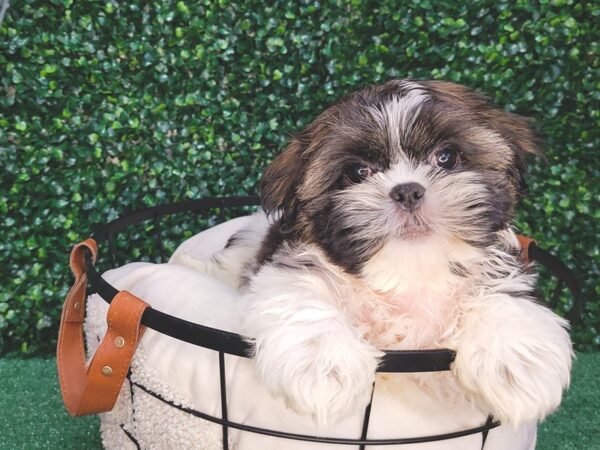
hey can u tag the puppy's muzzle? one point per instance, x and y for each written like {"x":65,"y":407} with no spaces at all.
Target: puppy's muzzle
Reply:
{"x":408,"y":195}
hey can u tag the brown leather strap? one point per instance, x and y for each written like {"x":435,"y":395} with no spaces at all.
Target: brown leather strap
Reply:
{"x":93,"y":387}
{"x":525,"y":242}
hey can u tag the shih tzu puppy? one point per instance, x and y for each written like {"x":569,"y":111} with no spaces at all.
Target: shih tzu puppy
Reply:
{"x":390,"y":229}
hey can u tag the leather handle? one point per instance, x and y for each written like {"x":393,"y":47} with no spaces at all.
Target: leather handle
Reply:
{"x":525,"y":242}
{"x":93,"y":387}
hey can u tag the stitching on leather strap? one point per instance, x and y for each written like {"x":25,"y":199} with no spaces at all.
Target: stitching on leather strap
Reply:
{"x":94,"y":387}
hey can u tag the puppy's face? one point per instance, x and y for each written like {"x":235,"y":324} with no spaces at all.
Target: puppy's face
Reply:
{"x":404,"y":161}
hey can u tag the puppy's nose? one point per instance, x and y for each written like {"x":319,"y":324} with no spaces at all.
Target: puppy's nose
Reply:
{"x":409,"y":195}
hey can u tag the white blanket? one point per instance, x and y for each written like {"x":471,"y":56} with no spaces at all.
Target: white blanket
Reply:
{"x":188,"y":376}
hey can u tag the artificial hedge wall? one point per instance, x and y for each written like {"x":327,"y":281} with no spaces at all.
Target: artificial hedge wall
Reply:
{"x":110,"y":106}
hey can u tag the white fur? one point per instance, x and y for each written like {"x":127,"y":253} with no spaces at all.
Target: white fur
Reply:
{"x":317,"y":328}
{"x":370,"y":209}
{"x":316,"y":333}
{"x":400,"y":113}
{"x":305,"y":349}
{"x":512,"y":354}
{"x":403,"y":406}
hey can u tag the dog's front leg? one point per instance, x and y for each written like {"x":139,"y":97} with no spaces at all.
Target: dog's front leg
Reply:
{"x":306,"y":350}
{"x":514,"y":354}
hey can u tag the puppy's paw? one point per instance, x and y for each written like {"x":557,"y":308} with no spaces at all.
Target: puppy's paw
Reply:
{"x":327,"y":378}
{"x":516,"y":360}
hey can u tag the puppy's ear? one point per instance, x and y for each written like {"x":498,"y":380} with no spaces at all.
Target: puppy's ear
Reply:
{"x":516,"y":130}
{"x":282,"y":178}
{"x":522,"y":138}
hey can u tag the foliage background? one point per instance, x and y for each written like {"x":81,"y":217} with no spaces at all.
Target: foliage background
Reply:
{"x":109,"y":106}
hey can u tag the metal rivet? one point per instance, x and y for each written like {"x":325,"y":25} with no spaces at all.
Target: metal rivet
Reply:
{"x":119,"y":342}
{"x":77,"y":306}
{"x":107,"y":370}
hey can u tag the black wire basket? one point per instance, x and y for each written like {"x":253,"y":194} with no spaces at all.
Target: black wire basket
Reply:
{"x":223,"y":342}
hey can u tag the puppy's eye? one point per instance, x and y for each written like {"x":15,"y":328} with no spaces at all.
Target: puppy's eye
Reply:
{"x":447,"y":158}
{"x":357,"y":173}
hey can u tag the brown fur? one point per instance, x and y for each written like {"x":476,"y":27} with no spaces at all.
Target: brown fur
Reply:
{"x":298,"y":185}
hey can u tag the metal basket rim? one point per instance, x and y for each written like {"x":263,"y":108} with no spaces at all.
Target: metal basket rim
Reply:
{"x":224,"y":342}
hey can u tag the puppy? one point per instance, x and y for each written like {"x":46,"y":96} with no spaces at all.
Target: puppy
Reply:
{"x":390,"y":229}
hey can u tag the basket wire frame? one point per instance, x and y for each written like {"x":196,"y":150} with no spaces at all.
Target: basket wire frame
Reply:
{"x":154,"y":319}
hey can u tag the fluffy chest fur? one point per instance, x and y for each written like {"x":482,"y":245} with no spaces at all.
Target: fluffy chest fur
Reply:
{"x":411,"y":303}
{"x":408,"y":296}
{"x":411,"y":320}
